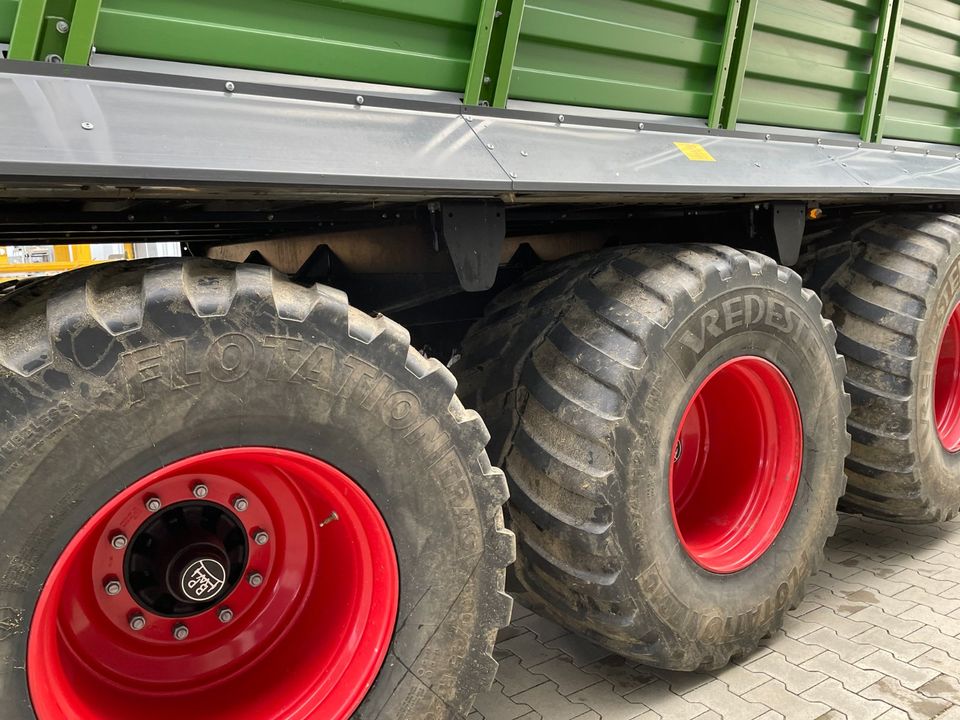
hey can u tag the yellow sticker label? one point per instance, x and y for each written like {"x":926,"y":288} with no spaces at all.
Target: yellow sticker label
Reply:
{"x":694,"y":151}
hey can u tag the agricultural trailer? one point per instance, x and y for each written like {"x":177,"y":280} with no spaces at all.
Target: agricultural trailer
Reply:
{"x":687,"y":271}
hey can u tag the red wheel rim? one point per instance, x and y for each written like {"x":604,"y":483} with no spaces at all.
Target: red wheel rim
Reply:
{"x":946,"y":385}
{"x":736,"y":464}
{"x":306,"y":642}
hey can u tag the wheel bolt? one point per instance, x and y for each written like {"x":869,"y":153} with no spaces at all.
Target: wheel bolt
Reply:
{"x":225,"y":615}
{"x":200,"y":490}
{"x":240,"y":503}
{"x":255,"y":579}
{"x":118,"y":541}
{"x":137,"y":622}
{"x":153,"y":504}
{"x":180,"y":632}
{"x":112,"y":587}
{"x":260,"y":537}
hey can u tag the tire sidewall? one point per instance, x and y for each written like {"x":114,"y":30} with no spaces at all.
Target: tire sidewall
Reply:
{"x":721,"y":610}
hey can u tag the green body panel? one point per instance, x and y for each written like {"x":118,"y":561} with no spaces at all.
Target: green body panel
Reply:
{"x":873,"y":68}
{"x":809,"y":63}
{"x":653,"y":55}
{"x":924,"y":101}
{"x":8,"y":12}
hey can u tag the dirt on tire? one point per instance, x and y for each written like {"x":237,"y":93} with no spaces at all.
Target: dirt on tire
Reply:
{"x":109,"y":373}
{"x":583,"y":372}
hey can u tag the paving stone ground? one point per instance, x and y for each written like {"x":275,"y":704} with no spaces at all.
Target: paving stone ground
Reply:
{"x":878,"y":636}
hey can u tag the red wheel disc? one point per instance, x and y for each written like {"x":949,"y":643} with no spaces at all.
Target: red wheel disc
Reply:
{"x":736,"y":465}
{"x":946,"y":386}
{"x":300,"y":634}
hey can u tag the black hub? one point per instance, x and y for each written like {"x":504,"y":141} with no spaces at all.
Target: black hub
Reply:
{"x":185,"y":558}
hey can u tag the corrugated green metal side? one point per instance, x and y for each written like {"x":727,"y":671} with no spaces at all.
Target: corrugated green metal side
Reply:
{"x":809,"y":63}
{"x":924,"y":99}
{"x":650,"y":55}
{"x":8,"y":11}
{"x":817,"y":64}
{"x":427,"y":43}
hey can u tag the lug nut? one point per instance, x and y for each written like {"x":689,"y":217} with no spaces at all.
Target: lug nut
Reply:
{"x":180,"y":632}
{"x":137,"y":622}
{"x":255,"y":579}
{"x":153,"y":504}
{"x":240,"y":503}
{"x":200,"y":490}
{"x":112,"y":587}
{"x":260,"y":537}
{"x":225,"y":615}
{"x":118,"y":541}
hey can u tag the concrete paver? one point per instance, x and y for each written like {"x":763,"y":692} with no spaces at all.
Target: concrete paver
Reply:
{"x":877,"y":638}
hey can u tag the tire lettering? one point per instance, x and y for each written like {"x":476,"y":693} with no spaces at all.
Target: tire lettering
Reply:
{"x":429,"y":437}
{"x":731,"y":313}
{"x":140,"y":367}
{"x":285,"y":358}
{"x":181,"y":376}
{"x":401,"y":410}
{"x":230,"y":357}
{"x":361,"y":373}
{"x":317,"y":369}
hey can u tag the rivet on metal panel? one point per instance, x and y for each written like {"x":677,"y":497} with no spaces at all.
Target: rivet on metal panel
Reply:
{"x":819,"y":141}
{"x":896,"y":147}
{"x":229,"y":86}
{"x":640,"y":126}
{"x":767,"y":136}
{"x":490,"y":146}
{"x":359,"y":99}
{"x":524,"y":153}
{"x":63,"y":27}
{"x":86,"y":125}
{"x":756,"y":164}
{"x":560,"y":118}
{"x":468,"y":118}
{"x":53,"y":58}
{"x":486,"y":79}
{"x":513,"y":174}
{"x":859,"y":144}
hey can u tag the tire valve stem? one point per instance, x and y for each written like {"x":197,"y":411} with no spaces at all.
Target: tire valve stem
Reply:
{"x":332,"y":517}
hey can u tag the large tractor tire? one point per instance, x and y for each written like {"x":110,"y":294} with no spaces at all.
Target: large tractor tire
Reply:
{"x":671,"y":420}
{"x":891,"y":285}
{"x":224,"y":495}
